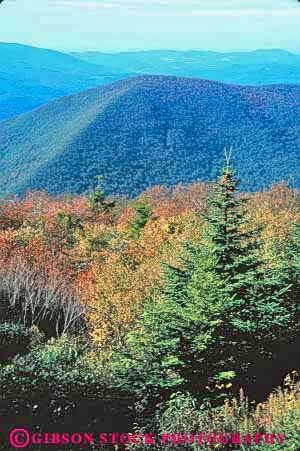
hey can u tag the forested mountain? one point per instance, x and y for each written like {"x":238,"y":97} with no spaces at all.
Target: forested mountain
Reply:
{"x":152,"y":130}
{"x":251,"y":68}
{"x":30,"y":77}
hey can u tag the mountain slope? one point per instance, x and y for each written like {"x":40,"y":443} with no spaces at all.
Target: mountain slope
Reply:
{"x":30,"y":77}
{"x":251,"y":68}
{"x":153,"y":130}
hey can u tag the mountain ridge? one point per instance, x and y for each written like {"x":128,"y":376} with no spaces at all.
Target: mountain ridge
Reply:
{"x":271,"y":66}
{"x":150,"y":130}
{"x":33,"y":76}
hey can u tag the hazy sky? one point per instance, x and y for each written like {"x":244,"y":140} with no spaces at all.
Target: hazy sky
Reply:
{"x":113,"y":25}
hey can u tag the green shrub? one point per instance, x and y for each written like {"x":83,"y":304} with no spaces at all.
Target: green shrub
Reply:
{"x":59,"y":387}
{"x":14,"y":339}
{"x":182,"y":414}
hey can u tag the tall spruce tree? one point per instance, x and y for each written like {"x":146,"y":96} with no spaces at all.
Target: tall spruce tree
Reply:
{"x":220,"y":310}
{"x":233,"y":245}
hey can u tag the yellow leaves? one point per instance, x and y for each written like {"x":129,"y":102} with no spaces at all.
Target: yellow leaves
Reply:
{"x":276,"y":210}
{"x":127,"y":272}
{"x":280,"y":412}
{"x":122,"y":286}
{"x":280,"y":405}
{"x":113,"y":274}
{"x":91,"y":240}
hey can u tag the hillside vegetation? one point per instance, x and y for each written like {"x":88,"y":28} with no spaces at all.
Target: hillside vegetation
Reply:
{"x":151,"y":130}
{"x":175,"y":312}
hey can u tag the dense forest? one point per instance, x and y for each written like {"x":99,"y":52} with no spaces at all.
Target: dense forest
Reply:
{"x":151,"y":130}
{"x":174,"y":312}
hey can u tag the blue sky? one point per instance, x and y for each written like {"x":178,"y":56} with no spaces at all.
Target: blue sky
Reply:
{"x":116,"y":25}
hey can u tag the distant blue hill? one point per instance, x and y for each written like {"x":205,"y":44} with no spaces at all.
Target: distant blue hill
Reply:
{"x":31,"y":77}
{"x":248,"y":68}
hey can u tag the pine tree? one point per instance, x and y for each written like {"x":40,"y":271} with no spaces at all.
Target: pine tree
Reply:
{"x":222,"y":309}
{"x":235,"y":246}
{"x":141,"y":217}
{"x":232,"y":244}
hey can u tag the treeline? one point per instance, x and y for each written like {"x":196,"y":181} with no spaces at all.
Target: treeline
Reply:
{"x":177,"y":311}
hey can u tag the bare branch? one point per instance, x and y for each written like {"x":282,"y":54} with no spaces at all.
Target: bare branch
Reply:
{"x":34,"y":296}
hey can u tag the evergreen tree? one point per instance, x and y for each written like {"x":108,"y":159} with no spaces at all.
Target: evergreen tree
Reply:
{"x":233,"y":245}
{"x":97,"y":200}
{"x":220,"y":311}
{"x":141,"y":217}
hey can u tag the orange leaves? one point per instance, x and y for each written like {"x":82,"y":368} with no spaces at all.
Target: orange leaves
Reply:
{"x":8,"y":245}
{"x":113,"y":273}
{"x":181,"y":199}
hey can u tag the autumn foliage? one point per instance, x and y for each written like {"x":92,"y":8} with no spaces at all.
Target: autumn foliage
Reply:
{"x":92,"y":252}
{"x":87,"y":271}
